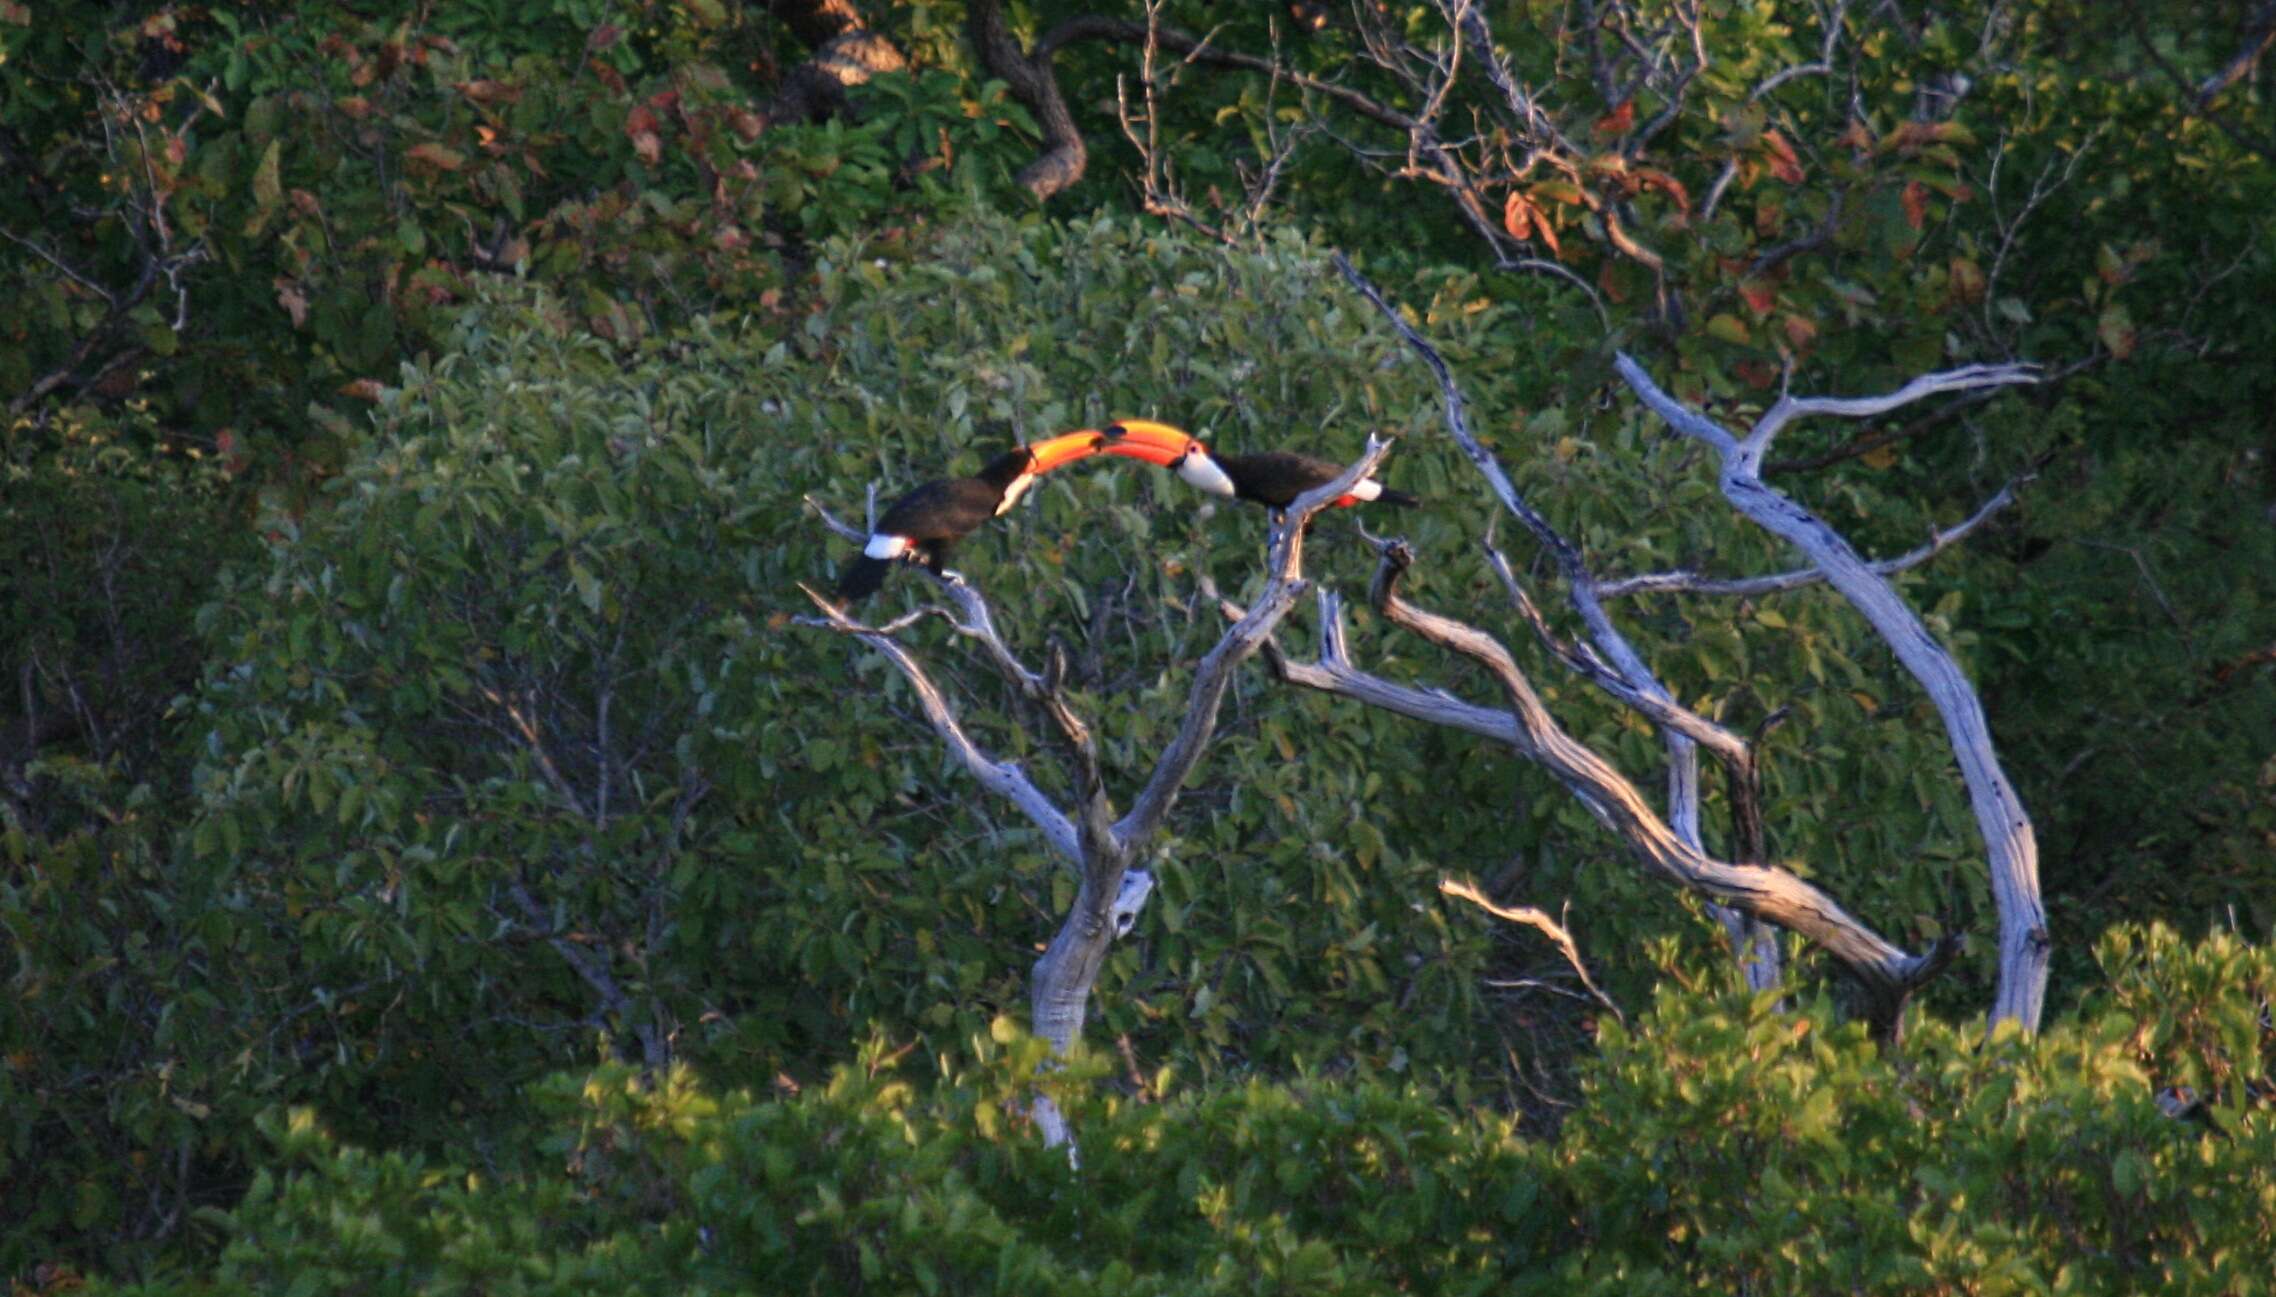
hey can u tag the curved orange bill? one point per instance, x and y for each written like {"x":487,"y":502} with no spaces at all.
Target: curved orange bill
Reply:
{"x":1156,"y":443}
{"x":1065,"y":448}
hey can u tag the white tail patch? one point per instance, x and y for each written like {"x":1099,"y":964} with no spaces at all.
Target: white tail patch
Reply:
{"x":1201,"y":472}
{"x":1366,"y":489}
{"x":886,"y":547}
{"x":1012,"y":493}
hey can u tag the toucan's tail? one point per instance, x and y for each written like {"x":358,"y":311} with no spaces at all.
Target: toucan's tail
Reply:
{"x":1399,"y":498}
{"x":863,"y":577}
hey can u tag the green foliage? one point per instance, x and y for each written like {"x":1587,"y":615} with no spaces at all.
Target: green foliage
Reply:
{"x":1734,"y":1145}
{"x":107,"y":530}
{"x":1724,"y":1144}
{"x":328,"y":188}
{"x":518,"y":625}
{"x":538,"y":641}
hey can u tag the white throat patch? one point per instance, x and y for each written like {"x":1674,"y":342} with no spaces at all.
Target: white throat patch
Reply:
{"x":1012,"y":493}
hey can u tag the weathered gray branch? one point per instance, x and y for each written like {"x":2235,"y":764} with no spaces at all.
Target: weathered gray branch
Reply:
{"x":1101,"y":848}
{"x":1685,"y":582}
{"x":1003,"y":778}
{"x":2008,"y":839}
{"x":1888,"y":973}
{"x":1756,"y":950}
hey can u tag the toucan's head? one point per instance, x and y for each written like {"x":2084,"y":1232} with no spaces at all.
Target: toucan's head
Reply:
{"x":1016,"y":471}
{"x":1012,"y":472}
{"x":1171,"y":448}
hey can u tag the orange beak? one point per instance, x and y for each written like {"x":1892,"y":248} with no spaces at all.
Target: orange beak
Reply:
{"x":1156,"y":443}
{"x":1066,"y":448}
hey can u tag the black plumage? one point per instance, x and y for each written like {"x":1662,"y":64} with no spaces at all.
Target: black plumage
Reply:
{"x":1274,"y":478}
{"x":925,"y":524}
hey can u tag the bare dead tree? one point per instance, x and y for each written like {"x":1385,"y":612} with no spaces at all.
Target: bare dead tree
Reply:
{"x":1102,"y":849}
{"x":1887,"y":973}
{"x":1670,"y":846}
{"x":1612,"y":663}
{"x":2024,"y":944}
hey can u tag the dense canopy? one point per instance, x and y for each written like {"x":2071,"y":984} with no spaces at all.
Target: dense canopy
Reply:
{"x":442,"y":848}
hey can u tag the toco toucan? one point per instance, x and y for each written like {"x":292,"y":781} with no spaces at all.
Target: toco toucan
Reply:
{"x":922,"y":526}
{"x":1272,"y":478}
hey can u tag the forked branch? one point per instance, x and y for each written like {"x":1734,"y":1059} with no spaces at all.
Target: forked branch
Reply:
{"x":1102,"y":849}
{"x":2009,"y":844}
{"x":1887,"y":973}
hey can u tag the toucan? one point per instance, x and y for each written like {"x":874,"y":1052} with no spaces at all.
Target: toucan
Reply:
{"x":1272,"y":478}
{"x":922,"y":526}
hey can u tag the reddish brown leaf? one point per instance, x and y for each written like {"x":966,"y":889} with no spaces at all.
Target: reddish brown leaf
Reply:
{"x":1783,"y":162}
{"x":2110,"y":266}
{"x":746,"y":123}
{"x":604,"y":37}
{"x":649,"y":146}
{"x":1800,"y":331}
{"x":1609,"y":283}
{"x":1760,"y":295}
{"x":1967,"y":281}
{"x":1666,"y":184}
{"x":355,"y":106}
{"x":15,"y":14}
{"x":292,"y":300}
{"x":1915,"y":199}
{"x":1618,"y":121}
{"x":486,"y":91}
{"x":1907,"y":138}
{"x":1517,"y":216}
{"x":440,"y":157}
{"x":1756,"y":373}
{"x":362,"y":389}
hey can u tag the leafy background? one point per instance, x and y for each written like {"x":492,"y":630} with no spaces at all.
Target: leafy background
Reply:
{"x":387,"y":385}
